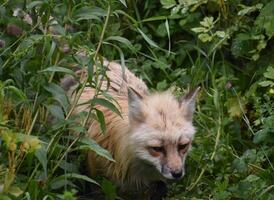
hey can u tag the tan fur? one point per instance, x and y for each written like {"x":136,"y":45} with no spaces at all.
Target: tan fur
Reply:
{"x":159,"y":117}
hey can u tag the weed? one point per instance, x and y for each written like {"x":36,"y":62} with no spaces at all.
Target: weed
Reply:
{"x":224,"y":46}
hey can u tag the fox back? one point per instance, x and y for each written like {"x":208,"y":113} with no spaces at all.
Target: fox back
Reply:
{"x":150,"y":141}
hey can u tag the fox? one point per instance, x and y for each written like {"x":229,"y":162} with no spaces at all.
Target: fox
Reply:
{"x":149,"y":141}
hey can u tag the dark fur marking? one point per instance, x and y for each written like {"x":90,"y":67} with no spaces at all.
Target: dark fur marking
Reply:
{"x":190,"y":95}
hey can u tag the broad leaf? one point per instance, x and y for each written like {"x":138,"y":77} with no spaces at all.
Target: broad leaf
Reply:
{"x":89,"y":144}
{"x":56,"y":68}
{"x":101,"y":119}
{"x":121,"y":40}
{"x":62,"y":180}
{"x":58,"y":94}
{"x":168,"y":3}
{"x":269,"y":73}
{"x":15,"y":191}
{"x":41,"y":155}
{"x":147,"y":39}
{"x":107,"y":104}
{"x":266,"y":18}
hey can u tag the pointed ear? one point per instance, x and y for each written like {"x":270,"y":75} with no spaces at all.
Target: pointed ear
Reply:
{"x":135,"y":106}
{"x":187,"y":103}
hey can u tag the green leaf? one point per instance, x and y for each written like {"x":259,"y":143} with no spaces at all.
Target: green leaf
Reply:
{"x":89,"y":13}
{"x":51,"y":51}
{"x":86,"y":16}
{"x":30,"y":41}
{"x":41,"y":155}
{"x":58,"y":94}
{"x":62,"y":180}
{"x":123,"y":2}
{"x":204,"y":37}
{"x":155,"y":18}
{"x":249,"y":9}
{"x":121,"y":40}
{"x":59,"y":183}
{"x":105,"y":103}
{"x":15,"y":191}
{"x":168,"y":35}
{"x":162,"y":85}
{"x":221,"y":195}
{"x":101,"y":119}
{"x":81,"y":177}
{"x":147,"y":39}
{"x":168,"y":3}
{"x":135,"y":22}
{"x":89,"y":144}
{"x":265,"y":19}
{"x":200,"y":30}
{"x":207,"y":22}
{"x":69,"y":167}
{"x":109,"y":190}
{"x":220,"y":34}
{"x":241,"y":44}
{"x":34,"y":4}
{"x":17,"y":92}
{"x":33,"y":189}
{"x":234,"y":108}
{"x":22,"y":137}
{"x":56,"y":112}
{"x":252,"y":178}
{"x":90,"y":70}
{"x":264,"y":136}
{"x":266,"y":83}
{"x":56,"y":68}
{"x":239,"y":165}
{"x":4,"y":197}
{"x":269,"y":73}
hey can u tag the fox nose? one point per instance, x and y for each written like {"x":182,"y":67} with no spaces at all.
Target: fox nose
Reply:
{"x":177,"y":174}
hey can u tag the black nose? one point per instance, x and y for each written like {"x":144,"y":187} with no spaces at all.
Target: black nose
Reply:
{"x":176,"y":174}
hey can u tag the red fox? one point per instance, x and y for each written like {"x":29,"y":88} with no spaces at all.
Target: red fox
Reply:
{"x":151,"y":140}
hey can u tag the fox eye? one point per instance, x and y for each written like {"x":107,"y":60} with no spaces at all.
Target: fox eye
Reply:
{"x":158,"y":149}
{"x":182,"y":146}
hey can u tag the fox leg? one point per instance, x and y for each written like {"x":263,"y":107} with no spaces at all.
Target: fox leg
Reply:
{"x":158,"y":190}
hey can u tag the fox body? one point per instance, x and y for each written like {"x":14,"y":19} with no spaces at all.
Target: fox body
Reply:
{"x":150,"y":141}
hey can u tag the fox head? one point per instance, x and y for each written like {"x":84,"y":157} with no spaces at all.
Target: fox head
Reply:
{"x":162,"y":130}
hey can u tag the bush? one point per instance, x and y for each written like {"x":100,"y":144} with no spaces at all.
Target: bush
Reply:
{"x":224,"y":46}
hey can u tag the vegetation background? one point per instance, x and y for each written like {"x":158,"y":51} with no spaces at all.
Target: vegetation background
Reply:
{"x":227,"y":47}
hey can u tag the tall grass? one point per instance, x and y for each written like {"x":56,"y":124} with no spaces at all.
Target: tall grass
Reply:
{"x":225,"y":47}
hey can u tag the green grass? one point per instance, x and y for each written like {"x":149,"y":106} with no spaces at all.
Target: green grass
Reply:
{"x":226,"y":47}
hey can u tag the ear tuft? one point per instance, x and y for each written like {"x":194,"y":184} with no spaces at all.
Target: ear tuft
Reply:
{"x":135,"y":106}
{"x":187,"y":103}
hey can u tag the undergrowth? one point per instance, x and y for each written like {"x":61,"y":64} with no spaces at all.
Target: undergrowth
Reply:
{"x":226,"y":47}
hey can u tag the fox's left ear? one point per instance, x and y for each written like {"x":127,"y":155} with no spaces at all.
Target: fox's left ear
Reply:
{"x":187,"y":103}
{"x":135,"y":105}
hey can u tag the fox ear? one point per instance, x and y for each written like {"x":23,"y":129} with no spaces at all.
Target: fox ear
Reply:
{"x":187,"y":103}
{"x":135,"y":105}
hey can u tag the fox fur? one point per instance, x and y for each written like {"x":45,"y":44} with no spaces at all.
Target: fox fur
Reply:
{"x":144,"y":141}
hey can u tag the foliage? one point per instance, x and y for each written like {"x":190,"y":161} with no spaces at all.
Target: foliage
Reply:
{"x":224,"y":46}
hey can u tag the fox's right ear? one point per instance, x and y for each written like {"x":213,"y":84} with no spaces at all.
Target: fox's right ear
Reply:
{"x":135,"y":105}
{"x":187,"y":103}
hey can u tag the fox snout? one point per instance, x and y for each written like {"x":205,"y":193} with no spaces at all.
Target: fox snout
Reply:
{"x":173,"y":173}
{"x":177,"y":174}
{"x":174,"y":167}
